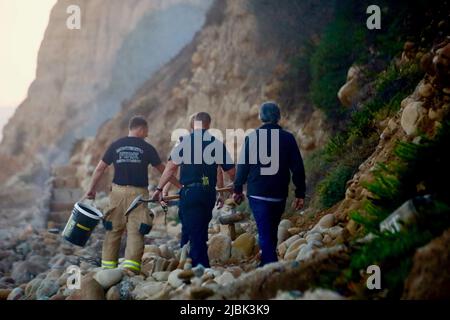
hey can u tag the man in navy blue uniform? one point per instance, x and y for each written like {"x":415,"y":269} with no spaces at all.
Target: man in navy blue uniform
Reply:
{"x":198,"y":156}
{"x":267,"y":189}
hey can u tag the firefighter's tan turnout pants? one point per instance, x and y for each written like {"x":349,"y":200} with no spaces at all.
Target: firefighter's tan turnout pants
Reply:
{"x":137,"y":224}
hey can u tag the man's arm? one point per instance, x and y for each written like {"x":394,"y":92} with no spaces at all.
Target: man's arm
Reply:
{"x":241,"y":172}
{"x":220,"y":183}
{"x":166,"y":189}
{"x":298,"y":175}
{"x":98,"y":173}
{"x":167,"y":175}
{"x":161,"y":168}
{"x":231,"y":173}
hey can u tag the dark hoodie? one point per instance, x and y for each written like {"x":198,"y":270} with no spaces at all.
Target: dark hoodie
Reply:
{"x":277,"y":185}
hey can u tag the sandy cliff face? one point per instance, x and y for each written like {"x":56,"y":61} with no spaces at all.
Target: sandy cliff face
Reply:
{"x":84,"y":75}
{"x":5,"y":114}
{"x":223,"y":71}
{"x":227,"y":69}
{"x":81,"y":80}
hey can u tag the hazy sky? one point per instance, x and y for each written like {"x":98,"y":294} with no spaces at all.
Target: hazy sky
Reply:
{"x":22,"y":27}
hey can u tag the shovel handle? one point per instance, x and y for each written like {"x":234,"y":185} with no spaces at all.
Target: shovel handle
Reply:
{"x":176,"y":196}
{"x":172,"y":197}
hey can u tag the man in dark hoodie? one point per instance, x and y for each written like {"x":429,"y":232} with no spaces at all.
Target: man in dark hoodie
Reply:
{"x":267,"y":189}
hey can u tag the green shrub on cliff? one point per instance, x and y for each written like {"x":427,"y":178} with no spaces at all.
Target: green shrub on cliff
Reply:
{"x":419,"y":169}
{"x":333,"y":187}
{"x":341,"y":45}
{"x":349,"y":148}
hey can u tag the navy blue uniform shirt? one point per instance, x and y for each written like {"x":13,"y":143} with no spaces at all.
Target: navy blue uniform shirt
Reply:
{"x":193,"y":172}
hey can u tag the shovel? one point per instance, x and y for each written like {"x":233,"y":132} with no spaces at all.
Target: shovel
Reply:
{"x":139,"y":199}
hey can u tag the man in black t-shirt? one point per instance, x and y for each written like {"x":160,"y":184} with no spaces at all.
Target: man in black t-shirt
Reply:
{"x":131,"y":157}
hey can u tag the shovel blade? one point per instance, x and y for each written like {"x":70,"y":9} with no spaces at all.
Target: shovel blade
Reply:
{"x":134,"y":204}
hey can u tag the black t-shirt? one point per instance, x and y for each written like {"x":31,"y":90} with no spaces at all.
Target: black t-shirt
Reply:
{"x":190,"y":172}
{"x":131,"y":157}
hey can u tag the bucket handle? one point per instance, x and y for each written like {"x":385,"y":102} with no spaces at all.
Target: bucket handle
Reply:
{"x":84,"y":199}
{"x":90,"y":202}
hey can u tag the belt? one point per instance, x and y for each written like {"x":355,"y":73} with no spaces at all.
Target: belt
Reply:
{"x":196,"y":184}
{"x":128,"y":187}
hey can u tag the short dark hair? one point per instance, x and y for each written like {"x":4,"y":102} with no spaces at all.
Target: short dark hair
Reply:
{"x":137,"y":122}
{"x":204,"y":117}
{"x":269,"y":112}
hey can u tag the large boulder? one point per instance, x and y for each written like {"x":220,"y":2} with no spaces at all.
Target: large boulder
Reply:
{"x":173,"y":279}
{"x":31,"y":288}
{"x":282,"y":248}
{"x":200,"y":293}
{"x":430,"y":275}
{"x":321,"y":294}
{"x":4,"y":293}
{"x":161,"y":275}
{"x":441,"y":64}
{"x":294,"y":248}
{"x":411,"y":117}
{"x":285,"y":223}
{"x":165,"y":251}
{"x":409,"y":52}
{"x":91,"y":289}
{"x":113,"y":293}
{"x":225,"y":278}
{"x":25,"y":271}
{"x":147,"y":290}
{"x":282,"y":234}
{"x":108,"y":277}
{"x":334,"y":232}
{"x":305,"y":252}
{"x":219,"y":248}
{"x":243,"y":246}
{"x":283,"y":230}
{"x":16,"y":294}
{"x":313,"y":236}
{"x":152,"y":249}
{"x":425,"y":90}
{"x":327,"y":221}
{"x":348,"y":94}
{"x":47,"y":289}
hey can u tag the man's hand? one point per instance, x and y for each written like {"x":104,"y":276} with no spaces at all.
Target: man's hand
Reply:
{"x":220,"y":202}
{"x":90,"y":195}
{"x":238,"y":197}
{"x":166,"y":190}
{"x":298,"y":203}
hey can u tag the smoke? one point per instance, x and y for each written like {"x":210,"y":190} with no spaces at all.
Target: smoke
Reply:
{"x":157,"y":38}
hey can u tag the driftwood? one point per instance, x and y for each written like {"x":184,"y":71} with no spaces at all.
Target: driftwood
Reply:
{"x":264,"y":283}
